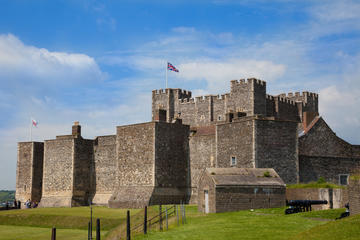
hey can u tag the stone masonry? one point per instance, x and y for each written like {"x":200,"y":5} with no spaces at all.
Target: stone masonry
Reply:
{"x":161,"y":161}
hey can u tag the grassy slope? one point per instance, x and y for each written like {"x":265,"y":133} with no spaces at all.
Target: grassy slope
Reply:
{"x":70,"y":218}
{"x":347,"y":228}
{"x":260,"y":224}
{"x":31,"y":233}
{"x":71,"y":223}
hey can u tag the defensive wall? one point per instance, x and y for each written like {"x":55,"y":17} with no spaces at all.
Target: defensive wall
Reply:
{"x":246,"y":96}
{"x":153,"y":164}
{"x":323,"y":154}
{"x":160,"y":162}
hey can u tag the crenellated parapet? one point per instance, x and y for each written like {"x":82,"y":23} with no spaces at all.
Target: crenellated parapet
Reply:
{"x":246,"y":83}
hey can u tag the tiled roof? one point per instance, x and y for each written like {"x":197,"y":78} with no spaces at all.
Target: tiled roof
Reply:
{"x":244,"y":176}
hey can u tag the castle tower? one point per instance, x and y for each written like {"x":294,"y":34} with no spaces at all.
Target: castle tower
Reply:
{"x":168,"y":100}
{"x":29,"y":171}
{"x":67,"y":170}
{"x":247,"y":96}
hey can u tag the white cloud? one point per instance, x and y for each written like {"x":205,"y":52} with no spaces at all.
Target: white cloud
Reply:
{"x":23,"y":63}
{"x":331,"y":11}
{"x":218,"y":74}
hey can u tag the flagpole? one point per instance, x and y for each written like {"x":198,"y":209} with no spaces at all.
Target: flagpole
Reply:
{"x":30,"y":130}
{"x":166,"y":74}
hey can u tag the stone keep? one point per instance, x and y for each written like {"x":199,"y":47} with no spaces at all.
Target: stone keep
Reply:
{"x":161,"y":161}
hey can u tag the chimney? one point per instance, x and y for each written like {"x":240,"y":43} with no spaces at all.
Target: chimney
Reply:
{"x":76,"y":129}
{"x":308,"y":117}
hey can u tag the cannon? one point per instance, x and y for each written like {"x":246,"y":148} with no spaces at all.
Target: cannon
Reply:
{"x":296,"y":206}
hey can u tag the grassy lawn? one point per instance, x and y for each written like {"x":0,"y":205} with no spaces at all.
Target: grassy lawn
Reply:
{"x":258,"y":224}
{"x":31,"y":233}
{"x":71,"y":223}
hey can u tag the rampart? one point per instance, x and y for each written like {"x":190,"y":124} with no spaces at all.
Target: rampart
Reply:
{"x":246,"y":96}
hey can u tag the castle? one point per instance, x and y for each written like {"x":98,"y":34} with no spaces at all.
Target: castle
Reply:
{"x":160,"y":162}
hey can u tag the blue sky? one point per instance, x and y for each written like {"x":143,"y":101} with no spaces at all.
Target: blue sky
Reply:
{"x":97,"y":61}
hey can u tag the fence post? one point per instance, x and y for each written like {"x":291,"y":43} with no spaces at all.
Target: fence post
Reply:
{"x":128,"y":237}
{"x":177,"y":215}
{"x":160,"y":217}
{"x":184,"y":213}
{"x":166,"y":216}
{"x":97,"y":229}
{"x":89,"y":230}
{"x":145,"y":220}
{"x":53,"y":233}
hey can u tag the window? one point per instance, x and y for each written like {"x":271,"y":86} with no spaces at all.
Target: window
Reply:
{"x":343,"y":179}
{"x":233,"y":161}
{"x":219,"y":118}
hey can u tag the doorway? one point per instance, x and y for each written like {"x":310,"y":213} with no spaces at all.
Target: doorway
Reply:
{"x":206,"y":193}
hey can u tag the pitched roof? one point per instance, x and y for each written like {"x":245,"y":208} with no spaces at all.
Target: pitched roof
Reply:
{"x":244,"y":176}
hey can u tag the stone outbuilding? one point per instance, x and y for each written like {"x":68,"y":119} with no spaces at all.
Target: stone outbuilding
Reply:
{"x":233,"y":189}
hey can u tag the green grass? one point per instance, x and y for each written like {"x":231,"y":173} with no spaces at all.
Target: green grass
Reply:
{"x":66,"y":218}
{"x":30,"y":233}
{"x":257,"y":224}
{"x":71,"y":223}
{"x":314,"y":185}
{"x":346,"y":228}
{"x":7,"y":196}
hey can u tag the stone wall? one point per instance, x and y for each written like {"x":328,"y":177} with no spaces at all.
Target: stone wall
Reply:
{"x":153,"y":164}
{"x":337,"y":197}
{"x":235,"y":139}
{"x":276,"y":147}
{"x":312,"y":168}
{"x":104,"y":169}
{"x":202,"y":155}
{"x":235,"y":198}
{"x":172,"y":159}
{"x":58,"y":163}
{"x":83,"y":159}
{"x":37,"y":171}
{"x":323,"y":154}
{"x":354,"y":194}
{"x":29,"y":171}
{"x":206,"y":184}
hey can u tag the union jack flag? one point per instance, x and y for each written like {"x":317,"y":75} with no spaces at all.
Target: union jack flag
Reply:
{"x":172,"y":67}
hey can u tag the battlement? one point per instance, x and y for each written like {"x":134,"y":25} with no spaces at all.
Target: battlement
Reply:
{"x":242,"y":82}
{"x":281,"y":98}
{"x":304,"y":94}
{"x":177,"y":91}
{"x":186,"y":100}
{"x":286,"y":100}
{"x":269,"y":97}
